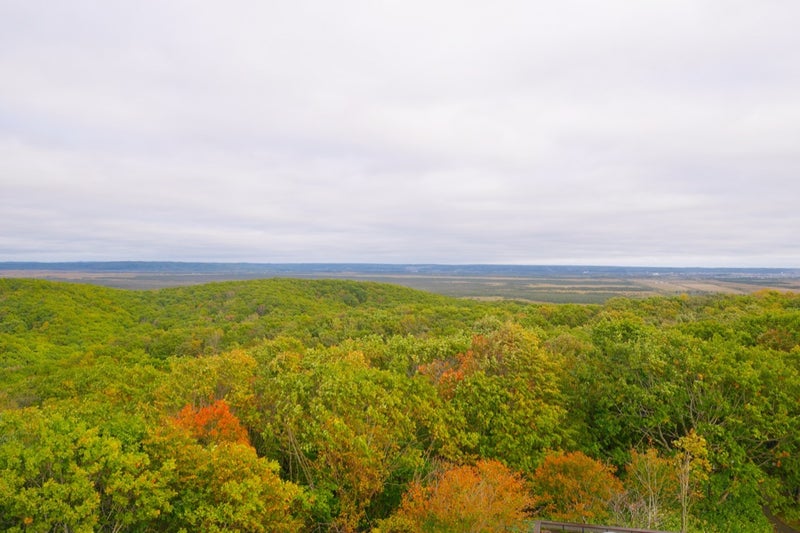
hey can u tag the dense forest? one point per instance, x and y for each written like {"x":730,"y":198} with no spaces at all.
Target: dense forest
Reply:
{"x":285,"y":405}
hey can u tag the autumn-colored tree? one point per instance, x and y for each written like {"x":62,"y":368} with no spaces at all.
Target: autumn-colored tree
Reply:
{"x":693,"y":468}
{"x":575,"y":488}
{"x":212,"y":423}
{"x":651,"y":486}
{"x":221,"y":487}
{"x":484,"y":497}
{"x":446,"y":374}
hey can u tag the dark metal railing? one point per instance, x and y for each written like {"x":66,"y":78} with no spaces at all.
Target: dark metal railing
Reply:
{"x":544,"y":526}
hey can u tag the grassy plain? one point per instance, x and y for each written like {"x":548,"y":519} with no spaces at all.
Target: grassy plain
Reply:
{"x":551,"y":286}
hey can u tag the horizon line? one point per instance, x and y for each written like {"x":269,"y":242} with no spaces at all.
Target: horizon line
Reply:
{"x":32,"y":263}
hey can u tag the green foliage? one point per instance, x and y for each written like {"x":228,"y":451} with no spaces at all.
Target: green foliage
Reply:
{"x":352,"y":393}
{"x":59,"y":474}
{"x":344,"y":429}
{"x":221,"y":487}
{"x":502,"y":399}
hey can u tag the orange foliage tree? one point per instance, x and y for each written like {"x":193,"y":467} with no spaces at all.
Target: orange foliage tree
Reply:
{"x":212,"y":423}
{"x":448,"y":373}
{"x":484,"y":497}
{"x":575,"y":488}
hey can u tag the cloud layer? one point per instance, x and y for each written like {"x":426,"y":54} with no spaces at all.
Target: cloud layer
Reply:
{"x":578,"y":132}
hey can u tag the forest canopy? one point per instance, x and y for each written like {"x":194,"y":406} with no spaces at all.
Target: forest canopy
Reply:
{"x":284,"y":405}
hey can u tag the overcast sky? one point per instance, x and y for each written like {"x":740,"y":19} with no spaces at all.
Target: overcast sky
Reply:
{"x":612,"y":132}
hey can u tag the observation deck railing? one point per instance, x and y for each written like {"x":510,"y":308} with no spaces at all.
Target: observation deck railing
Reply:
{"x":545,"y":526}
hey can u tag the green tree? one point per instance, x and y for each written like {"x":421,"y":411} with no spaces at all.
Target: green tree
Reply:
{"x":59,"y":474}
{"x":222,"y":486}
{"x":502,"y":399}
{"x":344,"y":429}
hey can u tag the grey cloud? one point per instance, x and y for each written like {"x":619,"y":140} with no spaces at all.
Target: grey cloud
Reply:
{"x":569,"y":132}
